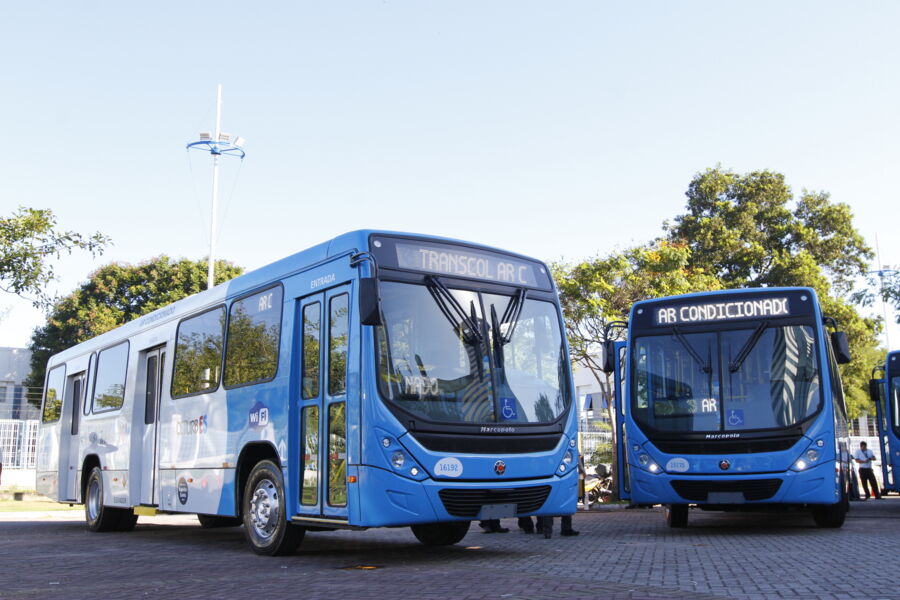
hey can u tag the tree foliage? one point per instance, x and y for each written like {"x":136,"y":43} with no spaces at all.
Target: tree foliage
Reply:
{"x":748,"y":231}
{"x":116,"y":294}
{"x":29,"y":239}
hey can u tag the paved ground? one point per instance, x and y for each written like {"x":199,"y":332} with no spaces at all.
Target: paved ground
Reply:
{"x":619,"y":554}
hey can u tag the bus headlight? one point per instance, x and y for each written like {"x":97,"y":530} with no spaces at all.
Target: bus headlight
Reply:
{"x":647,"y":463}
{"x":808,"y":459}
{"x":398,"y":459}
{"x":567,"y":459}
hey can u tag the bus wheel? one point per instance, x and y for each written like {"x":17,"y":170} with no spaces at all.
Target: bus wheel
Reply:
{"x":677,"y":515}
{"x":98,"y":517}
{"x":213,"y":521}
{"x":440,"y":534}
{"x":265,"y":513}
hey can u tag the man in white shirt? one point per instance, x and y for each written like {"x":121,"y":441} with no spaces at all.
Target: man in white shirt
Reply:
{"x":865,"y":458}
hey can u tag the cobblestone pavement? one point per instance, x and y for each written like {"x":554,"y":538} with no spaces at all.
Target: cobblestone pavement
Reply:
{"x":619,"y":554}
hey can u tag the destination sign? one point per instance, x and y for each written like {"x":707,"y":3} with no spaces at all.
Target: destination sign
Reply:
{"x":465,"y":262}
{"x":721,"y":311}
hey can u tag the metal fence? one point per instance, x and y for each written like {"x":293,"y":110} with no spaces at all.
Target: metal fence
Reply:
{"x":18,"y":439}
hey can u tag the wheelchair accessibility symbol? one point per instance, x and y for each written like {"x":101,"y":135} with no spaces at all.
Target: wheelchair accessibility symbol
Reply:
{"x":735,"y":418}
{"x":508,"y":410}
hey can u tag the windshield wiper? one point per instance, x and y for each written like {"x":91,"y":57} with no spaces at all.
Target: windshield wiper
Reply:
{"x":704,"y":366}
{"x":511,"y":317}
{"x":748,"y":347}
{"x":454,"y":312}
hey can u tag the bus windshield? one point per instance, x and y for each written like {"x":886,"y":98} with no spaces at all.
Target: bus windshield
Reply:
{"x":762,"y":377}
{"x":458,"y":356}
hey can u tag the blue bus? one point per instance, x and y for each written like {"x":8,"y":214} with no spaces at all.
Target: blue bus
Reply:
{"x":732,"y":400}
{"x":377,"y":379}
{"x":885,"y":392}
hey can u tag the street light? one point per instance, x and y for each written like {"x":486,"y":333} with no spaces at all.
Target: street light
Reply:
{"x":217,"y":145}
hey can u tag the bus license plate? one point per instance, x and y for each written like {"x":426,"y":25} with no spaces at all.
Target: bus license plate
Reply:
{"x":725,"y":498}
{"x":496,"y":511}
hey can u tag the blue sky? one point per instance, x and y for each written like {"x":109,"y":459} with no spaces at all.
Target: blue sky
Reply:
{"x":555,"y":129}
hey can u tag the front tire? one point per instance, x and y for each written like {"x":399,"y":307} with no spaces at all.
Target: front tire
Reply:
{"x":265,"y":513}
{"x":98,"y":516}
{"x":440,"y":534}
{"x":677,"y":515}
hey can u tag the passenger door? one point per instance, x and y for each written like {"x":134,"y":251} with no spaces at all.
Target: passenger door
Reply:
{"x":324,"y":322}
{"x":622,"y":476}
{"x":152,"y":362}
{"x":68,"y":479}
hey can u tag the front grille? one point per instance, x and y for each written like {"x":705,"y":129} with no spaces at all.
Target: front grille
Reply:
{"x":468,"y":502}
{"x":753,"y":489}
{"x":749,"y":446}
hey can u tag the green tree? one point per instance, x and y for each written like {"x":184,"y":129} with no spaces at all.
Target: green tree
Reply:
{"x":599,"y":291}
{"x":749,"y":231}
{"x":116,"y":294}
{"x":29,"y":239}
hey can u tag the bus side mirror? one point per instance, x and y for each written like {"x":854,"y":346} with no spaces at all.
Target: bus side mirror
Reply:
{"x":609,"y":357}
{"x":875,"y":389}
{"x":369,"y":312}
{"x":841,"y":347}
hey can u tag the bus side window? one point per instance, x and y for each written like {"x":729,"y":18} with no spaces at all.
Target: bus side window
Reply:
{"x":53,"y":395}
{"x":198,"y":353}
{"x":109,"y":383}
{"x":254,"y":329}
{"x":310,"y":350}
{"x":337,"y":345}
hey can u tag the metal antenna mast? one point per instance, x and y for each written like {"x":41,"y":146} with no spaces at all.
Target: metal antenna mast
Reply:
{"x":217,"y":144}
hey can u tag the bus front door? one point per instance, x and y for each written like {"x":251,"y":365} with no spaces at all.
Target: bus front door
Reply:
{"x":324,"y":340}
{"x":152,"y":362}
{"x":622,"y":474}
{"x":68,"y":438}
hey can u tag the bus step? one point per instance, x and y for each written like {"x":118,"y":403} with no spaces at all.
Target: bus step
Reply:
{"x":145,"y":511}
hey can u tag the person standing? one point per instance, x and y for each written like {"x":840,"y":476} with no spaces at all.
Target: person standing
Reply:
{"x":864,"y":459}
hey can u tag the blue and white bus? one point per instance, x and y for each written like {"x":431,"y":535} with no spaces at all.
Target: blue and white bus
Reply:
{"x":732,"y":401}
{"x":377,"y":379}
{"x":885,"y":393}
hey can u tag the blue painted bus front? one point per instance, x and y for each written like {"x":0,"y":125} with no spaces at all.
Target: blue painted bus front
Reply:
{"x":807,"y":469}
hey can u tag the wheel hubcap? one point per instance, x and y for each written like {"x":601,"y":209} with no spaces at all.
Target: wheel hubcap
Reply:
{"x":94,"y":499}
{"x":264,"y":510}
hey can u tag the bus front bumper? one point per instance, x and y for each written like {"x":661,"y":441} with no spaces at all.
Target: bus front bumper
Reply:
{"x":387,"y":499}
{"x":816,"y":485}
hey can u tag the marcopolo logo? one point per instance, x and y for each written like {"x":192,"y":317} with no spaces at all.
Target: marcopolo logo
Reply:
{"x":259,"y":415}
